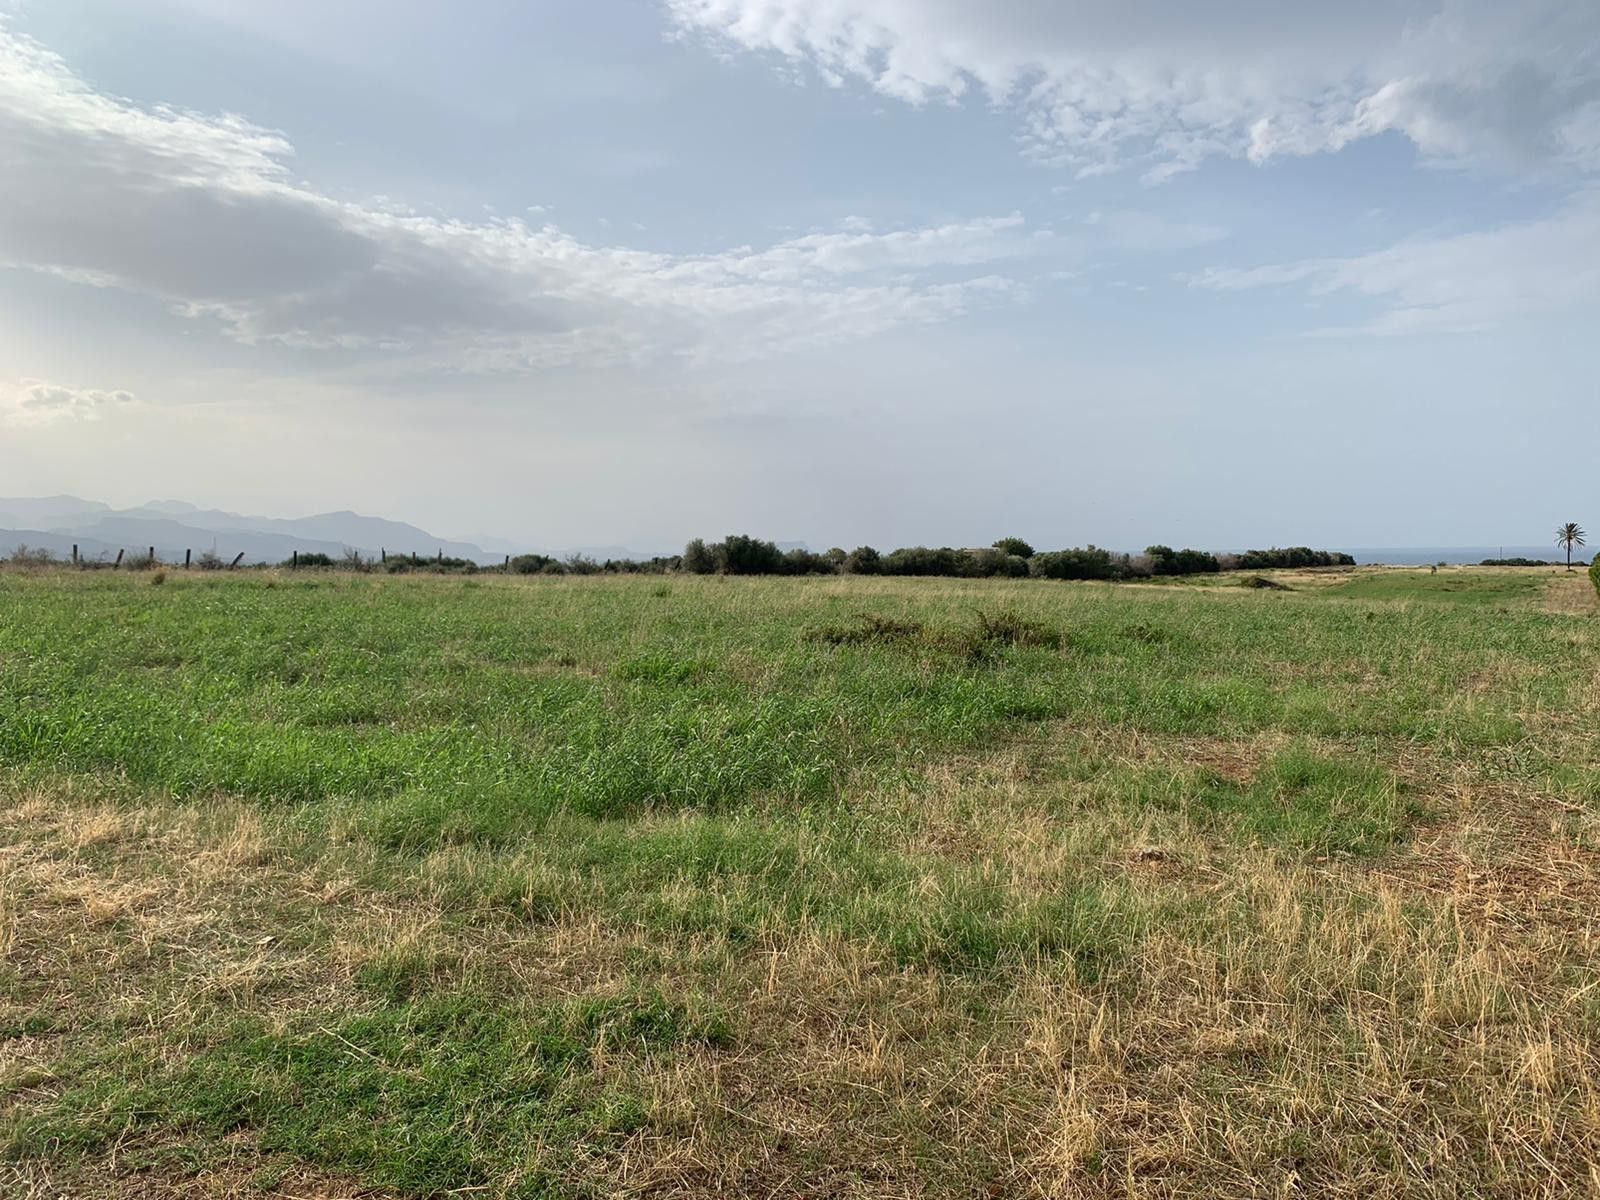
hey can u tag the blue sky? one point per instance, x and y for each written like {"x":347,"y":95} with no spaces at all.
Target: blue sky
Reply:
{"x":844,"y":271}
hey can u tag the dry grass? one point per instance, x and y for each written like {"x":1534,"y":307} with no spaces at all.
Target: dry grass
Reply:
{"x":1418,"y":1026}
{"x":1415,"y":1021}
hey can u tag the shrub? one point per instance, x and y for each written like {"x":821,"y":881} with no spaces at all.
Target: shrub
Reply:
{"x":1014,"y":545}
{"x":1594,"y":573}
{"x":698,"y":559}
{"x":921,"y":560}
{"x":863,"y":560}
{"x":209,"y":560}
{"x":529,"y":564}
{"x":25,"y":556}
{"x":804,"y":562}
{"x":1294,"y":556}
{"x":313,"y":559}
{"x":1090,"y":562}
{"x":1164,"y":560}
{"x":1012,"y":629}
{"x":400,"y":564}
{"x":868,"y":630}
{"x":741,"y":554}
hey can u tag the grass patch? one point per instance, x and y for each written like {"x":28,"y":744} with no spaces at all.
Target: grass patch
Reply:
{"x":570,"y":887}
{"x":1454,"y":586}
{"x":443,"y":1093}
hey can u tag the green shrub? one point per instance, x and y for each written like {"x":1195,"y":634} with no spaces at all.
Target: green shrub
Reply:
{"x":1594,"y":573}
{"x":1014,"y":545}
{"x":923,"y":560}
{"x":1090,"y":562}
{"x":1294,"y":556}
{"x":698,"y":558}
{"x":741,"y":554}
{"x":1164,"y":560}
{"x":863,"y":560}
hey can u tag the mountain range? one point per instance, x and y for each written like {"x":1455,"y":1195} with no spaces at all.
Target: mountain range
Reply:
{"x":57,"y":523}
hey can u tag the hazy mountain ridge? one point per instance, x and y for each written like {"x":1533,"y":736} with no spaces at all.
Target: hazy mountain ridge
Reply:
{"x":57,"y":523}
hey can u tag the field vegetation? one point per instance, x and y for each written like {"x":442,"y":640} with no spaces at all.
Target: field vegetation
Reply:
{"x":325,"y":883}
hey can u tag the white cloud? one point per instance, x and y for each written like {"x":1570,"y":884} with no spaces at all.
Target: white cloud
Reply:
{"x":1457,"y":284}
{"x":32,"y":402}
{"x":1132,"y":229}
{"x":1168,"y":83}
{"x":203,"y":213}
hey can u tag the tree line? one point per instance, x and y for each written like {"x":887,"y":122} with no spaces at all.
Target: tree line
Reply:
{"x":742,"y":554}
{"x":1014,"y":558}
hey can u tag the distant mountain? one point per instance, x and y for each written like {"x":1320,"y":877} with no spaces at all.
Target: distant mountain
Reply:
{"x":174,"y":526}
{"x":496,"y":545}
{"x":57,"y":523}
{"x":174,"y":508}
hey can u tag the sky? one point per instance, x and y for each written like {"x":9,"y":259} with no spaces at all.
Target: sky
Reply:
{"x":834,"y":271}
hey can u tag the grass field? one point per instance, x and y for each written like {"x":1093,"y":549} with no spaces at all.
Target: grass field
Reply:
{"x":330,"y":885}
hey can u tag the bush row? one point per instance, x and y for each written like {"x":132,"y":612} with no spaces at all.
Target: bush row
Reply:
{"x":1009,"y":558}
{"x":741,"y":554}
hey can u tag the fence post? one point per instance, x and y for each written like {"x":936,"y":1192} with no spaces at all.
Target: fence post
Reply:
{"x":413,"y":558}
{"x":383,"y":555}
{"x":294,"y":560}
{"x":152,"y":556}
{"x":74,"y":553}
{"x":186,"y":555}
{"x":118,"y":563}
{"x":237,"y":559}
{"x":508,"y":562}
{"x":441,"y":556}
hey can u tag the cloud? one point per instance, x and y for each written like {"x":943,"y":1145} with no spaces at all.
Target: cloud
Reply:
{"x":203,"y":213}
{"x":1169,"y":83}
{"x":1457,"y":284}
{"x":1131,"y":229}
{"x":33,"y":402}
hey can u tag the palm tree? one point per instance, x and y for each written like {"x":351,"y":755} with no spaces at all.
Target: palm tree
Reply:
{"x":1570,"y":535}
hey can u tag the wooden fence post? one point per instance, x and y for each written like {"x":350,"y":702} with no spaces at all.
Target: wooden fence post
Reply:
{"x":75,"y":554}
{"x":152,"y":558}
{"x":118,"y":563}
{"x":186,"y":556}
{"x":237,"y":559}
{"x":383,"y":555}
{"x":294,"y":560}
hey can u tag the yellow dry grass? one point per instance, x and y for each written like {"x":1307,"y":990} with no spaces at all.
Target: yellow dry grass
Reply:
{"x":1421,"y":1025}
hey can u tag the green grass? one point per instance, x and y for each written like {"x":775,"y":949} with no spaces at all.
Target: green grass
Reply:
{"x":1454,"y":586}
{"x":469,"y":711}
{"x":438,"y":884}
{"x":441,"y":1092}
